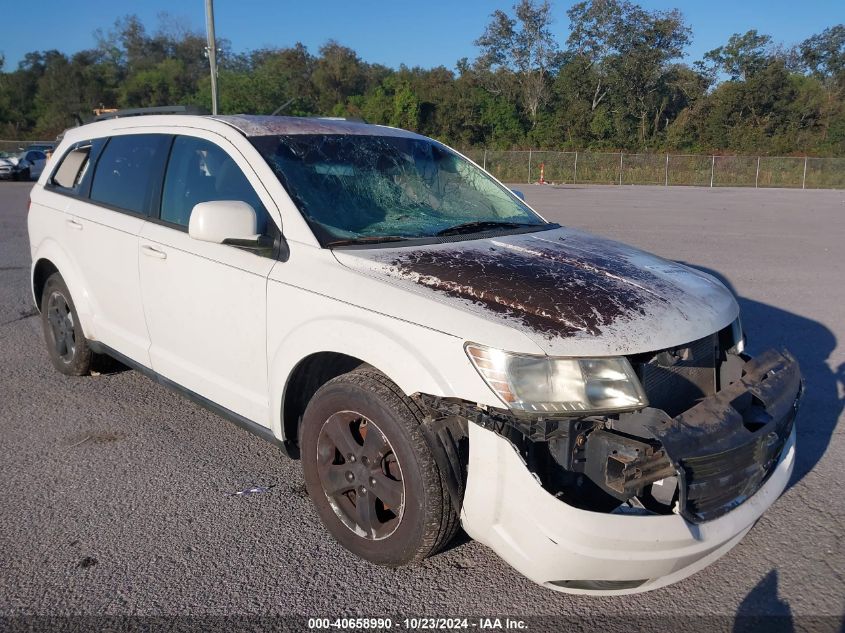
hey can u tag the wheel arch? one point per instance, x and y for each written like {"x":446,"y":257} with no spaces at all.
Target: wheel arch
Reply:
{"x":309,"y":374}
{"x":316,"y":352}
{"x":41,"y":271}
{"x":50,"y":258}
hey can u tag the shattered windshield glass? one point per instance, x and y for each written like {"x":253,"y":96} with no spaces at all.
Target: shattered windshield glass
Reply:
{"x":359,"y":189}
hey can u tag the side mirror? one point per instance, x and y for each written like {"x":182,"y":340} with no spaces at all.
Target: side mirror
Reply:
{"x":221,"y":221}
{"x":518,"y":194}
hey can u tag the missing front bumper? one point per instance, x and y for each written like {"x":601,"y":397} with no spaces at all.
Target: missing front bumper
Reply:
{"x":725,"y":447}
{"x":700,"y":464}
{"x":577,"y":551}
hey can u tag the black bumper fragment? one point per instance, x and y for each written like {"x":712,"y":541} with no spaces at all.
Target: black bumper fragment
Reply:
{"x":725,"y":447}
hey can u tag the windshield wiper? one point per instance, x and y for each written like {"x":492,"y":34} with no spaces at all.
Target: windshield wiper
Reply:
{"x":483,"y":225}
{"x":371,"y":239}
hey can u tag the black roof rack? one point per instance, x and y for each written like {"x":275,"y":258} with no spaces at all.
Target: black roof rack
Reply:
{"x":179,"y":109}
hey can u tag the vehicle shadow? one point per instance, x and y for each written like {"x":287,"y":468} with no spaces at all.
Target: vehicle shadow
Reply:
{"x":461,"y":538}
{"x":811,"y":343}
{"x":763,"y":610}
{"x":106,"y":365}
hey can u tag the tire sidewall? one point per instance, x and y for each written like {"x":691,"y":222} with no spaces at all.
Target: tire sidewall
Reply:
{"x":403,"y":544}
{"x":79,"y":363}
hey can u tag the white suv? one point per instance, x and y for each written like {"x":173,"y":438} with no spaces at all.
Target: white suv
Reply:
{"x":434,"y":351}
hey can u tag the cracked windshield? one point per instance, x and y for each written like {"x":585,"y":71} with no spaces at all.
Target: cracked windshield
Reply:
{"x":356,"y":189}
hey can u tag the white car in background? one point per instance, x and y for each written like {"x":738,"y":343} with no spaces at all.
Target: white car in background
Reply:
{"x":23,"y":165}
{"x":434,"y":351}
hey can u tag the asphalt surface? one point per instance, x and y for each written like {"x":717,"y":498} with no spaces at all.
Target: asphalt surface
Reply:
{"x":116,"y":493}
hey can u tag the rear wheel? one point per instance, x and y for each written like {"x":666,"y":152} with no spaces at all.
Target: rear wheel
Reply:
{"x":66,"y":344}
{"x":370,"y":472}
{"x":26,"y":174}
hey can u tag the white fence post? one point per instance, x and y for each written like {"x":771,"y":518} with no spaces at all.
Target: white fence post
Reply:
{"x":575,"y":174}
{"x":620,"y":167}
{"x":712,"y":168}
{"x":804,"y":178}
{"x":666,"y":183}
{"x":484,"y":161}
{"x":529,"y":166}
{"x":757,"y":175}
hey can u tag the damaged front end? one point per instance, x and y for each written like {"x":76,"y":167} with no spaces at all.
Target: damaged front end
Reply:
{"x":714,"y":431}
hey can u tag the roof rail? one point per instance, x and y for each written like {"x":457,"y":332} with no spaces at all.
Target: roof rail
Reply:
{"x":351,"y":119}
{"x":178,"y":109}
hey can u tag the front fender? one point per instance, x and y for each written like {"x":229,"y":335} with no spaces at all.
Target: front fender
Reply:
{"x":417,"y":359}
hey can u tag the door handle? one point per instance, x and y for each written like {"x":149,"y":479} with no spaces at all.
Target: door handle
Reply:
{"x":74,"y":224}
{"x":149,"y":251}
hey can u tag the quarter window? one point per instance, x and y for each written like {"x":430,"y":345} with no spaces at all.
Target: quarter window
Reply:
{"x":200,"y":171}
{"x":129,"y":170}
{"x":71,"y":171}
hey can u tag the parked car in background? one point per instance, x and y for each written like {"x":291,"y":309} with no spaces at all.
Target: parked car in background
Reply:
{"x":434,"y":350}
{"x":8,"y":165}
{"x":24,"y":165}
{"x":47,"y":148}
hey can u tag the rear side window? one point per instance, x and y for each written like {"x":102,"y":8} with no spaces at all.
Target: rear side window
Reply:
{"x":72,"y":170}
{"x":200,"y":171}
{"x":129,"y":170}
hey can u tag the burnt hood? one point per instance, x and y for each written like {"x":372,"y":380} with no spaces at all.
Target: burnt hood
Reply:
{"x":570,"y":292}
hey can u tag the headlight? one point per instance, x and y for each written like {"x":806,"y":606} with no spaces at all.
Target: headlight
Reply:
{"x":559,"y":385}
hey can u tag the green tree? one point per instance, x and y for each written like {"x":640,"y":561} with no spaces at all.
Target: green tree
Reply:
{"x":743,"y":55}
{"x":597,"y":36}
{"x":338,"y":74}
{"x":823,"y":54}
{"x":165,"y":83}
{"x":58,"y":101}
{"x":618,"y":84}
{"x":642,"y":71}
{"x":523,"y":45}
{"x":627,"y":51}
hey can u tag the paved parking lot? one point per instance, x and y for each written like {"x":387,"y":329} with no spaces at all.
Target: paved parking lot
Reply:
{"x":115,"y":494}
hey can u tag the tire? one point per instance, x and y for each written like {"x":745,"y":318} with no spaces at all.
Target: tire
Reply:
{"x":26,"y":175}
{"x":343,"y":414}
{"x":66,"y":344}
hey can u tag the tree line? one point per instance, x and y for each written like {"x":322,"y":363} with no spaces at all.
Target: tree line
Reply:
{"x":617,"y":82}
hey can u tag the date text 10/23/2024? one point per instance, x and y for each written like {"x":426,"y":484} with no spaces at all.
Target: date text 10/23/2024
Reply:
{"x":416,"y":624}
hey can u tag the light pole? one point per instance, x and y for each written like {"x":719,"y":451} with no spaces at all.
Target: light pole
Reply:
{"x":212,"y":51}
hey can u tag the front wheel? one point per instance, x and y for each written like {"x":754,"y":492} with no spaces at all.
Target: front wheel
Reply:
{"x":370,"y":472}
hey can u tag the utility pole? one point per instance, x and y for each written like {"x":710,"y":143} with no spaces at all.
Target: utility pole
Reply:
{"x":211,"y":49}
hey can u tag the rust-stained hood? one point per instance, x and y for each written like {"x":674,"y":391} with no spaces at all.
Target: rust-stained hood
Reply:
{"x":570,"y":292}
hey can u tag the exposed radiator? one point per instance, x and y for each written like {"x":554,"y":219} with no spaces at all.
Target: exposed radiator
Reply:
{"x":677,"y":379}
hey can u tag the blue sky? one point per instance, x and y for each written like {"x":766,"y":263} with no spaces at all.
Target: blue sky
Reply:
{"x":431,"y":33}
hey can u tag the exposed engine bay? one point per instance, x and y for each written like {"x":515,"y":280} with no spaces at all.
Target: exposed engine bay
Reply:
{"x":714,"y":430}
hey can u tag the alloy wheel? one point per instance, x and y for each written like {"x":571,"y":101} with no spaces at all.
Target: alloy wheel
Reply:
{"x":360,"y":475}
{"x":60,"y":317}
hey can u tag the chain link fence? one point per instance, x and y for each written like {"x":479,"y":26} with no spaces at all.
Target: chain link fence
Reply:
{"x":18,"y":146}
{"x":532,"y":166}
